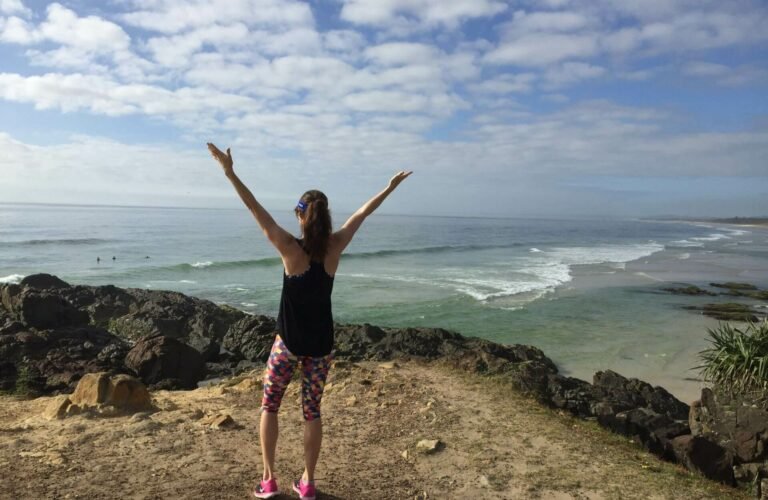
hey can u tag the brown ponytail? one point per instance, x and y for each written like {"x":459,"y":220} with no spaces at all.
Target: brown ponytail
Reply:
{"x":317,"y":224}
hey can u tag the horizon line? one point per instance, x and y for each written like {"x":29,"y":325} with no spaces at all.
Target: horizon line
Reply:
{"x":659,"y":217}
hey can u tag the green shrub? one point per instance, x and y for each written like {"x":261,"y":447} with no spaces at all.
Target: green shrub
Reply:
{"x":738,"y":358}
{"x":23,"y":381}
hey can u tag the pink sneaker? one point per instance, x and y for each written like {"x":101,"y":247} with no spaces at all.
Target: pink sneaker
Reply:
{"x":266,"y":489}
{"x":306,"y":491}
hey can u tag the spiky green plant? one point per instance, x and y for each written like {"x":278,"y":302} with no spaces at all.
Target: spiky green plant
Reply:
{"x":738,"y":358}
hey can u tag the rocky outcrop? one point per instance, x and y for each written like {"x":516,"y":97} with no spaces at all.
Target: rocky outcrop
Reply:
{"x":51,"y":361}
{"x":725,"y":311}
{"x":688,"y":290}
{"x":52,"y":334}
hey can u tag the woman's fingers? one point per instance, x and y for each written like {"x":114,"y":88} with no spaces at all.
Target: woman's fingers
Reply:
{"x":217,"y":153}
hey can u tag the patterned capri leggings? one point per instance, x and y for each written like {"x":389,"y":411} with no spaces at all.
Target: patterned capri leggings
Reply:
{"x":280,"y":368}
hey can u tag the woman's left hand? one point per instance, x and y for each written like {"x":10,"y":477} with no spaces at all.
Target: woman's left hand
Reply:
{"x":225,"y":159}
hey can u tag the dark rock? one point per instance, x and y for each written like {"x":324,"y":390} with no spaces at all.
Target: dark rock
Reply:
{"x":246,"y":366}
{"x":689,"y":290}
{"x":9,"y":326}
{"x":734,"y":286}
{"x":571,"y":394}
{"x":699,"y":454}
{"x":653,"y":430}
{"x":41,"y":308}
{"x":165,"y":361}
{"x":728,"y":311}
{"x":748,"y":475}
{"x":624,"y":394}
{"x":251,"y":338}
{"x":43,"y":281}
{"x":53,"y":360}
{"x":218,"y":370}
{"x":738,"y":423}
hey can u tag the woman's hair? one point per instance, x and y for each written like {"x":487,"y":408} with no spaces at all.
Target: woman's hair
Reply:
{"x":317,"y":223}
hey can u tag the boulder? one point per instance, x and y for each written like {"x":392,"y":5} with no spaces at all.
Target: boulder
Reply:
{"x":653,"y":430}
{"x":122,"y":392}
{"x":251,"y":338}
{"x":624,"y":394}
{"x":699,"y":454}
{"x":166,"y":362}
{"x":43,"y":281}
{"x":738,"y":423}
{"x":57,"y":408}
{"x":571,"y":394}
{"x":41,"y":309}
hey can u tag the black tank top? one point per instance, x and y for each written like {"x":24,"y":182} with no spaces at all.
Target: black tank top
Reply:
{"x":305,"y":320}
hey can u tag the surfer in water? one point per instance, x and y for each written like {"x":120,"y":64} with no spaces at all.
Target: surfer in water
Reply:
{"x":305,"y":320}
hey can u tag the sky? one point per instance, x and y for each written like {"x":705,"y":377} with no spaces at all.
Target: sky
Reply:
{"x":550,"y":108}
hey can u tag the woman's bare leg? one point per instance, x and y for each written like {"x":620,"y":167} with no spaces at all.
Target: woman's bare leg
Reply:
{"x":268,"y":436}
{"x":313,"y":438}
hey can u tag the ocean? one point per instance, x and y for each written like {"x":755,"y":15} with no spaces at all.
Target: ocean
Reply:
{"x":585,"y":291}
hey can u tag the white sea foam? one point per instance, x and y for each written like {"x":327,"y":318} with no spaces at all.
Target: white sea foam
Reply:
{"x":526,"y":278}
{"x":248,"y":304}
{"x":684,"y":256}
{"x":534,"y":250}
{"x":684,"y":244}
{"x":189,"y":282}
{"x":735,"y":232}
{"x":712,"y":237}
{"x":604,"y":254}
{"x":200,"y":265}
{"x":12,"y":278}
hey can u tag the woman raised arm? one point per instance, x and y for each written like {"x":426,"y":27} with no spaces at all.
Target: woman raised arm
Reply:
{"x":281,"y":239}
{"x":343,"y":236}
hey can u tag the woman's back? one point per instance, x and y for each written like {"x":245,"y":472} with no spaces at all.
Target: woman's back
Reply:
{"x":305,"y":319}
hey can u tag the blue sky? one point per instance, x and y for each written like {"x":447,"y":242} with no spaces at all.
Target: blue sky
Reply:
{"x":504,"y":108}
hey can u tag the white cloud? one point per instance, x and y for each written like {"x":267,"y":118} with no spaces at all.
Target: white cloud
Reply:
{"x":13,"y":7}
{"x":174,"y":51}
{"x":62,"y":25}
{"x":565,"y":21}
{"x":505,"y":84}
{"x":726,"y":75}
{"x":75,"y":92}
{"x":174,"y":16}
{"x":417,"y":14}
{"x":570,"y":73}
{"x":395,"y":54}
{"x":345,"y":42}
{"x":90,"y":33}
{"x":542,"y":49}
{"x":17,"y":30}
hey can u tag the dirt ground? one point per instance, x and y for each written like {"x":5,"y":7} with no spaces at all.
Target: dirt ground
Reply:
{"x":495,"y":444}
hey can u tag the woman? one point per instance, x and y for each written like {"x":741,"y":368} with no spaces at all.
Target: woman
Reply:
{"x":305,"y":321}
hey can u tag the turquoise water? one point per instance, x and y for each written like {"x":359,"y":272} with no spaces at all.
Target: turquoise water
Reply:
{"x":585,"y":291}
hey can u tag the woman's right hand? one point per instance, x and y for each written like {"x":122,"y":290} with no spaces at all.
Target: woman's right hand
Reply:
{"x":225,"y":159}
{"x":398,"y":178}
